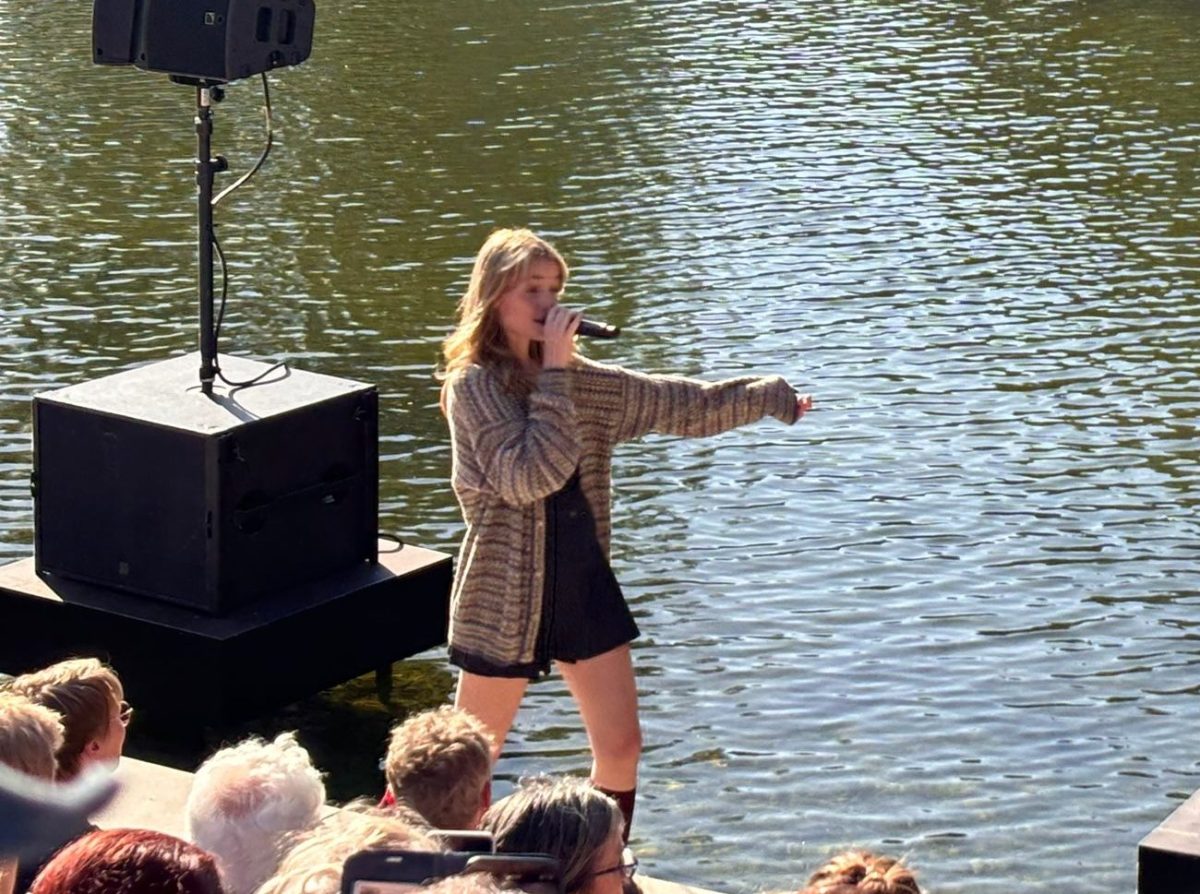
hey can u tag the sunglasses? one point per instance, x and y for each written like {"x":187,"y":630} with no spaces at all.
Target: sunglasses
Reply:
{"x":626,"y":869}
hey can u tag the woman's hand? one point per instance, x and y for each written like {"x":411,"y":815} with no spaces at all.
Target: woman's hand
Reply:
{"x":558,"y":338}
{"x":803,"y":405}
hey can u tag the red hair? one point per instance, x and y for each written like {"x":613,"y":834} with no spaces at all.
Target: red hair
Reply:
{"x":129,"y":861}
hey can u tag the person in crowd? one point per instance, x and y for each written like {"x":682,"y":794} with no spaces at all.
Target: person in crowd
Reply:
{"x":573,"y":822}
{"x":30,"y":737}
{"x":88,"y":696}
{"x":533,"y":427}
{"x":244,"y":801}
{"x":439,"y":763}
{"x":862,"y":872}
{"x":129,"y":861}
{"x":313,"y":860}
{"x":466,"y":883}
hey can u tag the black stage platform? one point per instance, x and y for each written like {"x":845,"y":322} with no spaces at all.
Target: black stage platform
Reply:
{"x":189,"y":670}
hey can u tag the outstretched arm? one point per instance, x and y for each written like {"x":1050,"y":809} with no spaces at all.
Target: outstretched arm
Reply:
{"x":694,"y":408}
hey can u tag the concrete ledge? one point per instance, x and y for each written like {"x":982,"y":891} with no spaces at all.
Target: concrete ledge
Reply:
{"x":151,"y":797}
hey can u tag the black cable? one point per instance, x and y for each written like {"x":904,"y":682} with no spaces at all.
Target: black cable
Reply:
{"x":394,"y":539}
{"x":241,"y":181}
{"x":221,"y":254}
{"x":224,"y":287}
{"x":257,"y":380}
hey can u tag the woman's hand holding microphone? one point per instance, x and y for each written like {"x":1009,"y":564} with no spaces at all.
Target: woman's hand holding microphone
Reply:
{"x":558,"y":338}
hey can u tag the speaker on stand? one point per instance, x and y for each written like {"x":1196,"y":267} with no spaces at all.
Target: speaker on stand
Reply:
{"x":214,"y":537}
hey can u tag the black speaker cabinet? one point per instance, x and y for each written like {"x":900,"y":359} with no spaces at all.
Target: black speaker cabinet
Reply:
{"x":217,"y":40}
{"x":144,"y":484}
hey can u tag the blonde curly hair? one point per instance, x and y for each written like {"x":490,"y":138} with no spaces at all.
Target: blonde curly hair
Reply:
{"x":862,"y":872}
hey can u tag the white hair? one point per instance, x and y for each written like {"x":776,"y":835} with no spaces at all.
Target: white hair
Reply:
{"x":246,"y":799}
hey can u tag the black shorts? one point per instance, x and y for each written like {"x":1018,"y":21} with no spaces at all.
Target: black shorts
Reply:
{"x":584,"y":613}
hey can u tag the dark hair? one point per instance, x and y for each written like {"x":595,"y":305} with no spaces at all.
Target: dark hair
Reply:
{"x":129,"y":861}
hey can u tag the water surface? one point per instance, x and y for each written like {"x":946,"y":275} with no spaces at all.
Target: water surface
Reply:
{"x":948,"y":616}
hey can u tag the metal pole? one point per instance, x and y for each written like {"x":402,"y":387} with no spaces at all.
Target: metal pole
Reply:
{"x":204,"y":219}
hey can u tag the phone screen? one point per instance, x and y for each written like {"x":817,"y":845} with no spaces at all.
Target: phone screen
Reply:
{"x":375,"y":887}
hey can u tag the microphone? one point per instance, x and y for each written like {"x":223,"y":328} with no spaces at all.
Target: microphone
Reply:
{"x":593,"y":329}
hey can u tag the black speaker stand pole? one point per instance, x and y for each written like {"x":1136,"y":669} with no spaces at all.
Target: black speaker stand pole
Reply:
{"x":206,"y":167}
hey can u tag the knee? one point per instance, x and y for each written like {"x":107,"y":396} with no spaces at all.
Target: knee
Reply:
{"x":620,"y":746}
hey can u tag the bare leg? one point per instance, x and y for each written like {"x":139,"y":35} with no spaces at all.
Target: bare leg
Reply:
{"x":606,"y":693}
{"x":494,"y":700}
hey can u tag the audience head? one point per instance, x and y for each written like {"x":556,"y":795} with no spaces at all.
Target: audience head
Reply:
{"x":467,"y":883}
{"x":30,"y":736}
{"x":88,"y":696}
{"x":128,"y":861}
{"x":312,"y":863}
{"x":861,"y":872}
{"x":439,"y":763}
{"x":568,"y":819}
{"x":245,"y":799}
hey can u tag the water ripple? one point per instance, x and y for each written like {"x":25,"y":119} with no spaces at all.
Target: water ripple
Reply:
{"x":950,"y":615}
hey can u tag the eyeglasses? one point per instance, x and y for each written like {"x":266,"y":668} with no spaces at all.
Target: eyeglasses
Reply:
{"x":125,"y":713}
{"x":626,"y":869}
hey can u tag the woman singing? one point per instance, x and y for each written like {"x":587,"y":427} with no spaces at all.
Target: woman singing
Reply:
{"x":533,"y":426}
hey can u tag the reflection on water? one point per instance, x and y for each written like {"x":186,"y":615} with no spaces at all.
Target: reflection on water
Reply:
{"x":344,"y":728}
{"x":950,"y":614}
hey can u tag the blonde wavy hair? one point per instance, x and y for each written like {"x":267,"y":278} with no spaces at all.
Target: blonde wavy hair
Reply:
{"x":504,"y":260}
{"x":862,"y":872}
{"x":85,"y":692}
{"x":313,"y":860}
{"x":30,"y":736}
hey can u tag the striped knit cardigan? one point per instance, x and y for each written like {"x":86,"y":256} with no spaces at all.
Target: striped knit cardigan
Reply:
{"x":511,"y":452}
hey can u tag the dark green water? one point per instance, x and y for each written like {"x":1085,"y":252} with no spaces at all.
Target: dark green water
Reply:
{"x":951,"y":614}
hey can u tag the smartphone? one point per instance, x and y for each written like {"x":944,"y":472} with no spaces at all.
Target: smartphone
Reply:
{"x":400,"y":871}
{"x":526,"y":869}
{"x":470,"y":840}
{"x":387,"y":871}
